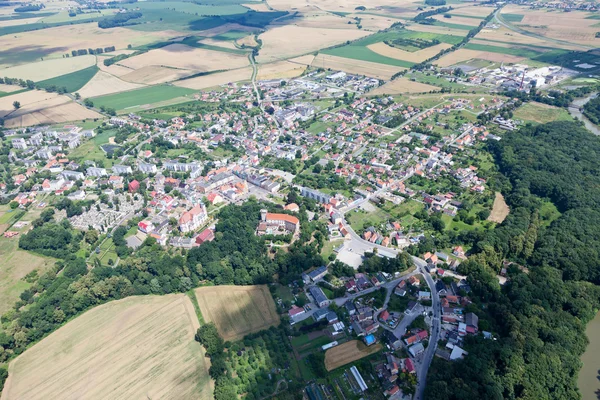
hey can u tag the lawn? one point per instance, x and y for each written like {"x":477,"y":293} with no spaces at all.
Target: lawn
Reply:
{"x":140,"y":97}
{"x":408,"y":207}
{"x":90,"y":150}
{"x":541,"y":113}
{"x":360,"y":220}
{"x":73,"y":81}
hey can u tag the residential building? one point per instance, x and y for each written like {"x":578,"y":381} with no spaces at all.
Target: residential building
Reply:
{"x":192,"y":219}
{"x":317,"y":293}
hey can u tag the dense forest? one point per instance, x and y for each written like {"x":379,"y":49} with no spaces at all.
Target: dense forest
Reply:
{"x":539,"y":315}
{"x":592,"y":110}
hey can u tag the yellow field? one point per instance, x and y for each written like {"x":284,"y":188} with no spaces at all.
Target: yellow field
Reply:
{"x":60,"y":40}
{"x":247,"y":41}
{"x":319,"y":19}
{"x":347,"y":352}
{"x":14,"y":22}
{"x":458,"y":20}
{"x":47,"y":69}
{"x":500,"y":209}
{"x":152,"y":75}
{"x":237,"y":310}
{"x":375,"y":70}
{"x":288,"y":41}
{"x":185,"y":57}
{"x":280,"y":69}
{"x":436,"y":29}
{"x":504,"y":34}
{"x":103,"y":83}
{"x":258,"y":7}
{"x":9,"y":88}
{"x":220,"y":43}
{"x":466,"y":54}
{"x":474,"y":11}
{"x":571,"y":27}
{"x":403,"y":85}
{"x":218,"y":79}
{"x":374,"y":23}
{"x":29,"y":98}
{"x":138,"y":347}
{"x":16,"y":264}
{"x":416,"y":56}
{"x":50,"y":113}
{"x":336,"y":5}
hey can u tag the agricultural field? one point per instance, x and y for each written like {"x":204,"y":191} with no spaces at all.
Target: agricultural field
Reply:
{"x":152,"y":74}
{"x":348,"y":352}
{"x":464,"y":54}
{"x":280,"y":69}
{"x":237,"y":310}
{"x":403,"y":85}
{"x":104,"y":83}
{"x":73,"y":81}
{"x":141,"y":97}
{"x":137,"y":347}
{"x":289,"y":41}
{"x":216,"y":79}
{"x":500,"y":209}
{"x":49,"y":69}
{"x":411,"y":56}
{"x":352,"y":66}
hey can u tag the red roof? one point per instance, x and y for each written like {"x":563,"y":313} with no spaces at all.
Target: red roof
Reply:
{"x":295,"y":310}
{"x":282,"y":217}
{"x":206,"y":235}
{"x":384,"y":315}
{"x":410,"y":367}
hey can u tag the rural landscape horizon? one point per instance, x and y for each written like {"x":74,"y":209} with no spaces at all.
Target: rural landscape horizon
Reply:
{"x":300,"y":199}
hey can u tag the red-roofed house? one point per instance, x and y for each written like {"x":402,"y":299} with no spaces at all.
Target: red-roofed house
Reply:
{"x":133,"y":186}
{"x":206,"y":235}
{"x":191,"y":220}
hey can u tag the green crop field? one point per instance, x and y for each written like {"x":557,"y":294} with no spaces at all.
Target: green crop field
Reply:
{"x":512,"y":17}
{"x":513,"y":51}
{"x":73,"y":81}
{"x":63,"y":16}
{"x":364,"y":54}
{"x":454,"y":26}
{"x":139,"y":97}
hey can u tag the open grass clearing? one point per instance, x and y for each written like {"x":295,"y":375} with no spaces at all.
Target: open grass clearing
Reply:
{"x":237,"y":310}
{"x":541,"y":113}
{"x":141,"y":97}
{"x":348,"y":352}
{"x":500,"y":209}
{"x":137,"y":347}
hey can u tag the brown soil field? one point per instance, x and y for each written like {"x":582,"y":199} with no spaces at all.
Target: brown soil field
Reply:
{"x":318,"y":19}
{"x":49,"y":114}
{"x":60,"y":40}
{"x":288,"y":41}
{"x":247,"y":40}
{"x":403,"y":85}
{"x":500,"y":209}
{"x":280,"y":70}
{"x":458,"y":20}
{"x":103,"y":83}
{"x":47,"y":69}
{"x":347,"y":352}
{"x":375,"y":70}
{"x":185,"y":57}
{"x":237,"y":310}
{"x":152,"y":75}
{"x":465,"y":54}
{"x":416,"y":56}
{"x":138,"y":347}
{"x":217,"y":79}
{"x":16,"y":264}
{"x":9,"y":88}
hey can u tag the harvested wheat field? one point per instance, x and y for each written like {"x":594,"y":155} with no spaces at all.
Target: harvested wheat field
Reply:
{"x":219,"y":43}
{"x":440,"y":30}
{"x":14,"y":22}
{"x":258,"y":7}
{"x":49,"y":114}
{"x":138,"y":347}
{"x":473,"y":11}
{"x":9,"y":88}
{"x":248,"y":41}
{"x":572,"y":27}
{"x":60,"y":40}
{"x":186,"y":57}
{"x":317,"y":19}
{"x":303,"y":60}
{"x":374,"y":23}
{"x":216,"y":79}
{"x":351,"y":66}
{"x":280,"y":70}
{"x":459,"y":20}
{"x":403,"y":85}
{"x":466,"y":54}
{"x":415,"y":56}
{"x":153,"y":75}
{"x":47,"y":69}
{"x":330,"y":5}
{"x":504,"y":34}
{"x":115,"y":69}
{"x":347,"y":352}
{"x":103,"y":83}
{"x":500,"y":209}
{"x":288,"y":41}
{"x":26,"y":99}
{"x":237,"y":310}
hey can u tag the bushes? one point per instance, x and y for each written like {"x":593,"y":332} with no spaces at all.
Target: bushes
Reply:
{"x":120,"y":19}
